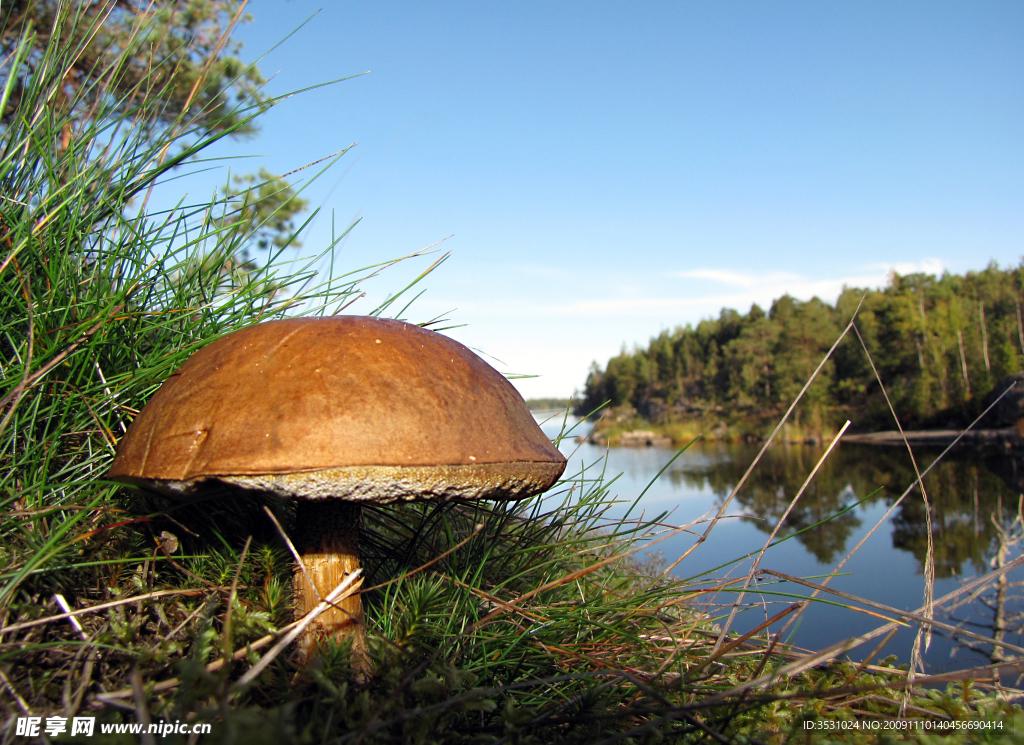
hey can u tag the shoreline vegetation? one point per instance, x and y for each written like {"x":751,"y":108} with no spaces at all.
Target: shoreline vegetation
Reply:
{"x":944,"y":347}
{"x":624,"y":429}
{"x":489,"y":622}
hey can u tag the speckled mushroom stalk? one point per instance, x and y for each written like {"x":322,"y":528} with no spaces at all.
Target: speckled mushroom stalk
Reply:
{"x":327,"y":538}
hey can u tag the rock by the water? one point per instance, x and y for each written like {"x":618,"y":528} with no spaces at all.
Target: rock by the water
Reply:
{"x":644,"y":438}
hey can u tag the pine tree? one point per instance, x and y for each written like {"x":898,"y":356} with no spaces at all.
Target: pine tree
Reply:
{"x":939,"y":344}
{"x":202,"y":84}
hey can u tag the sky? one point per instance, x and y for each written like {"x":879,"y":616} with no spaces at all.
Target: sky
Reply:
{"x":603,"y":171}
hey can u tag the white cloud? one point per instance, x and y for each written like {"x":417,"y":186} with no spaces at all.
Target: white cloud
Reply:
{"x":735,"y":278}
{"x":926,"y":266}
{"x":526,"y":328}
{"x":762,"y":293}
{"x":672,"y":304}
{"x":650,"y":305}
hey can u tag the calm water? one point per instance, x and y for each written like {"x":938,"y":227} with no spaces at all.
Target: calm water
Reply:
{"x":970,"y":495}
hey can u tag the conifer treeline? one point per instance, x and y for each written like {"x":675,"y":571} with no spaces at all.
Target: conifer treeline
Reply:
{"x":940,"y":345}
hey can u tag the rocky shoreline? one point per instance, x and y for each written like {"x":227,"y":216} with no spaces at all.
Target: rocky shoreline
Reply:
{"x":1009,"y":438}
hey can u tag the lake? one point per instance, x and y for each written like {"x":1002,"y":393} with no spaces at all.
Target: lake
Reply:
{"x":974,"y":500}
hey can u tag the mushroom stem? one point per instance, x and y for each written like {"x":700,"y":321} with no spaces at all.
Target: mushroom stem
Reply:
{"x":327,"y":539}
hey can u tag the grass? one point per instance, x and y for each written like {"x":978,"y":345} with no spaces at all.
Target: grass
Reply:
{"x":490,"y":622}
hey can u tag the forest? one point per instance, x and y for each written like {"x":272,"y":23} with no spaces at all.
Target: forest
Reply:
{"x":939,"y":344}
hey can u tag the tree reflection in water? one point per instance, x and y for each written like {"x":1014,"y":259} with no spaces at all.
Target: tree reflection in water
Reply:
{"x":966,"y":492}
{"x":976,"y":505}
{"x":1002,"y":614}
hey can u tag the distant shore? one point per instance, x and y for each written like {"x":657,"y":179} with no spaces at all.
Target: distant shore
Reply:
{"x":639,"y":433}
{"x":1008,"y":436}
{"x":619,"y":431}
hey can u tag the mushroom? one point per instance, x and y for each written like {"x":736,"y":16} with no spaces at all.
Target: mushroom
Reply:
{"x":337,"y":412}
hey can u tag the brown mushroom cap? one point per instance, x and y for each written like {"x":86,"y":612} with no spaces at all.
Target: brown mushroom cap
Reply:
{"x":354,"y":407}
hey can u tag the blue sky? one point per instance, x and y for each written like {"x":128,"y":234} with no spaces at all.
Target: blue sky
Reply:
{"x":609,"y":170}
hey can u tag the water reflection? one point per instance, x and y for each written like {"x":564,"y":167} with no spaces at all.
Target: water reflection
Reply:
{"x":965,"y":497}
{"x":974,"y":502}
